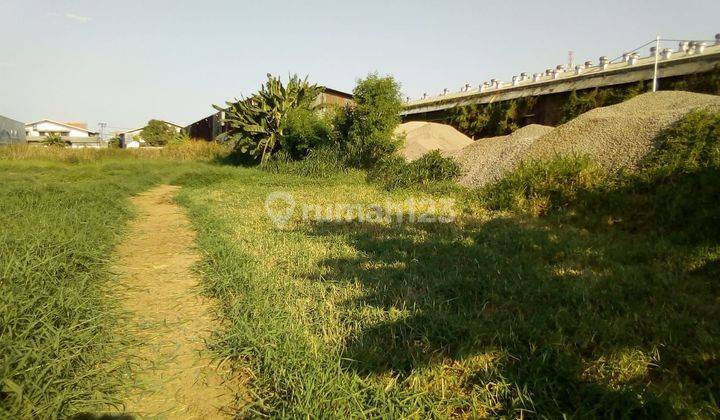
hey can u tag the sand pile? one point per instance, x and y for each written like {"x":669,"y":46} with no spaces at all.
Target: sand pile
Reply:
{"x":422,"y":137}
{"x":487,"y":160}
{"x":619,"y":136}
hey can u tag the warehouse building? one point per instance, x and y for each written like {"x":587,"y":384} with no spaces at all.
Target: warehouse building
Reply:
{"x":11,"y":131}
{"x":212,"y":126}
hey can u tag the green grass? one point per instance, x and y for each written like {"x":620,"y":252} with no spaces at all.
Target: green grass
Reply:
{"x":559,"y":292}
{"x":61,"y":218}
{"x":571,"y":296}
{"x":500,"y":315}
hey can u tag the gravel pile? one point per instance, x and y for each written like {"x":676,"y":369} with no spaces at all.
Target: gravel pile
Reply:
{"x":619,"y":136}
{"x":422,"y":137}
{"x":487,"y":160}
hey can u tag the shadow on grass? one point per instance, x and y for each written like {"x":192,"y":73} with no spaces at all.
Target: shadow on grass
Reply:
{"x":553,"y":304}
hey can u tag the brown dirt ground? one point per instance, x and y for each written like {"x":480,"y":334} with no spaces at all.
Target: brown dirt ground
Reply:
{"x":174,"y":376}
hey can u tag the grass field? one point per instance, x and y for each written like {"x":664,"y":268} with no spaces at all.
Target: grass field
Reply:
{"x":504,"y":311}
{"x":495,"y":314}
{"x":62,"y":213}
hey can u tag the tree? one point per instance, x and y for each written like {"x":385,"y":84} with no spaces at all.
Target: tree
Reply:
{"x":256,"y":124}
{"x":366,"y":131}
{"x":305,"y":130}
{"x":54,"y":140}
{"x":157,"y":133}
{"x":114,"y":143}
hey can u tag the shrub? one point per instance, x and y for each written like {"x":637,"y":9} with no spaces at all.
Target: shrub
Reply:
{"x":179,"y":138}
{"x":257,"y":123}
{"x":157,"y":133}
{"x":114,"y":143}
{"x":394,"y":172}
{"x":322,"y":162}
{"x":540,"y":187}
{"x":54,"y":140}
{"x":305,"y":130}
{"x":366,"y":130}
{"x":678,"y":187}
{"x":675,"y":192}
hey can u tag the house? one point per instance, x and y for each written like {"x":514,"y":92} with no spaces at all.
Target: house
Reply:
{"x":331,"y":97}
{"x":131,"y":139}
{"x":11,"y":131}
{"x":75,"y":134}
{"x":211,"y":126}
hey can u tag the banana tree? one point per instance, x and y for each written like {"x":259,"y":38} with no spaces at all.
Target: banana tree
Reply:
{"x":256,"y":124}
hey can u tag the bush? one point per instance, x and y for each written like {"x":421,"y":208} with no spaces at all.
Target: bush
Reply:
{"x":675,"y":192}
{"x":365,"y":131}
{"x":541,"y":187}
{"x":322,"y":162}
{"x":114,"y":143}
{"x":678,"y":187}
{"x":180,"y":138}
{"x":54,"y":140}
{"x":305,"y":130}
{"x":394,"y":172}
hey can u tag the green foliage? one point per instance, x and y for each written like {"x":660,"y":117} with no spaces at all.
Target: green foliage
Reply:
{"x":179,"y":138}
{"x":114,"y":143}
{"x":394,"y":172}
{"x":678,"y":188}
{"x":365,"y":131}
{"x":305,"y":130}
{"x":577,"y":104}
{"x":54,"y":140}
{"x":493,"y":119}
{"x":157,"y":133}
{"x":321,"y":162}
{"x":257,"y":123}
{"x":699,"y":82}
{"x":674,"y":193}
{"x":541,"y":187}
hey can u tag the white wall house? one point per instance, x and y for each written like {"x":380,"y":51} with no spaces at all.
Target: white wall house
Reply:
{"x":75,"y":134}
{"x":131,"y":139}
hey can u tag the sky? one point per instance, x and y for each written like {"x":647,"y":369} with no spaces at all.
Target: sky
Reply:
{"x":125,"y":62}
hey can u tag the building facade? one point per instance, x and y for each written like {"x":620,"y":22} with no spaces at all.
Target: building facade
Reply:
{"x":74,"y":134}
{"x":11,"y":131}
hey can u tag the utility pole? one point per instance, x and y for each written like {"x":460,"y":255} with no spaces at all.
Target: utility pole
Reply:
{"x":102,"y":130}
{"x":657,"y":55}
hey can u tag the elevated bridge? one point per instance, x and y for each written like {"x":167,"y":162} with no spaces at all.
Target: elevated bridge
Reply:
{"x":690,"y":58}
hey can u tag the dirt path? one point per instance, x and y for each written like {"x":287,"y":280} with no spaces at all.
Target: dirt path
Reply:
{"x":168,"y":316}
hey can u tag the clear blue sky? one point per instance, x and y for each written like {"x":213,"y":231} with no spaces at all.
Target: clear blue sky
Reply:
{"x":124,"y":62}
